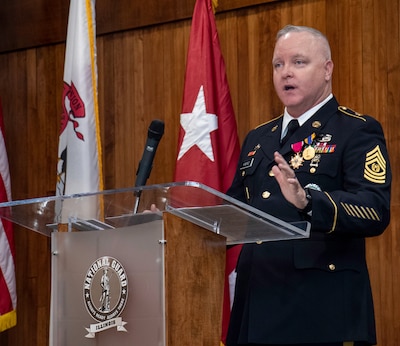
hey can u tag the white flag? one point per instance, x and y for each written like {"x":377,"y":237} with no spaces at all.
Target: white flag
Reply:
{"x":79,"y":166}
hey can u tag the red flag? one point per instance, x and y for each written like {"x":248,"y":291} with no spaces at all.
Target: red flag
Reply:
{"x":8,"y":291}
{"x":208,"y":144}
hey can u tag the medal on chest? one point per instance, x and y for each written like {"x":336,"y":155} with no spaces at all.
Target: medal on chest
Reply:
{"x":309,"y":151}
{"x":296,"y":161}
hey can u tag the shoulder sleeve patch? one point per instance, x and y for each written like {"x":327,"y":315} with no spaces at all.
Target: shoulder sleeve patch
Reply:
{"x":375,"y":166}
{"x":351,"y":113}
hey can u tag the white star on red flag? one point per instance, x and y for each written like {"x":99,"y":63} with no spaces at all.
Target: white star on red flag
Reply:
{"x":197,"y":125}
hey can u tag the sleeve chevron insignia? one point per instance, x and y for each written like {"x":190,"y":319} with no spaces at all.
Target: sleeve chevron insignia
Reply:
{"x":361,"y":212}
{"x":375,"y":166}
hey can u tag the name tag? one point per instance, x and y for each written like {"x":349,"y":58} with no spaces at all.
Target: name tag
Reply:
{"x":247,"y":164}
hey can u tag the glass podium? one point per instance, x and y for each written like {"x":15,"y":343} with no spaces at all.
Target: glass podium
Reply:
{"x":122,"y":275}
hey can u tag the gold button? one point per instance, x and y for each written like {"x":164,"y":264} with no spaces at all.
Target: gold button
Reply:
{"x":259,"y":242}
{"x":332,"y":267}
{"x":266,"y":194}
{"x":316,"y":124}
{"x":270,"y":173}
{"x":312,"y":170}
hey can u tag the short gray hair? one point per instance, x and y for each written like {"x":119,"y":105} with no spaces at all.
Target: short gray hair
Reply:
{"x":316,"y":33}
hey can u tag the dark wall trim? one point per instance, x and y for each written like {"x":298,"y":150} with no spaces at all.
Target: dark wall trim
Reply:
{"x":32,"y":23}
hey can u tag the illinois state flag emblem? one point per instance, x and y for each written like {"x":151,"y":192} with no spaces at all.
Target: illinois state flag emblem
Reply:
{"x":79,"y":152}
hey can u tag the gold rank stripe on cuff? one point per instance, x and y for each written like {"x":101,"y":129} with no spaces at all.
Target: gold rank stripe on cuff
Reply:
{"x":360,"y":212}
{"x":335,"y":208}
{"x":375,"y":166}
{"x":247,"y":193}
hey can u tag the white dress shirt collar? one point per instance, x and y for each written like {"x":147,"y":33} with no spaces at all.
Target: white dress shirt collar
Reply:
{"x":302,"y":118}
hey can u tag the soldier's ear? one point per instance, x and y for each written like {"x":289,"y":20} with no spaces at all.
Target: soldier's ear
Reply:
{"x":328,"y":70}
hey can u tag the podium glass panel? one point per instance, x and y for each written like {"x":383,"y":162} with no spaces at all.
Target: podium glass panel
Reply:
{"x":197,"y":203}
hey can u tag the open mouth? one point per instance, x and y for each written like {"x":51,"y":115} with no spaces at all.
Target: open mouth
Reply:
{"x":288,"y":87}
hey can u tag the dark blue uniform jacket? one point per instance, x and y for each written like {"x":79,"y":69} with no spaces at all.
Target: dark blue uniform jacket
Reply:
{"x":316,"y":289}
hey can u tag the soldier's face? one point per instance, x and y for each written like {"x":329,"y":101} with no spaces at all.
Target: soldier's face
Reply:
{"x":301,"y":71}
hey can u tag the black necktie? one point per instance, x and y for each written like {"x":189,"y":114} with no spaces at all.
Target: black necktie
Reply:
{"x":291,"y":128}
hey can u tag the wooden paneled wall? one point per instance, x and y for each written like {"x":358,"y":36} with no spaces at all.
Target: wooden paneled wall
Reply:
{"x":141,"y":74}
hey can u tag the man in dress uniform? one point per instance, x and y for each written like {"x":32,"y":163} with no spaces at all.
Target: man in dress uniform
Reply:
{"x":332,"y":170}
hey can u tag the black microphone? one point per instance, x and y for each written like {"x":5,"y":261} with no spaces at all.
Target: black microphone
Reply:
{"x":154,"y":134}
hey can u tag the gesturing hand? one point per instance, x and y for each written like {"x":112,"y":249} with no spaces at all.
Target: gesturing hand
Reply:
{"x":290,"y":186}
